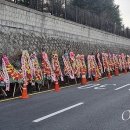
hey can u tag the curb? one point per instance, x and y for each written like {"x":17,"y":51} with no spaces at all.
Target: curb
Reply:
{"x":5,"y":100}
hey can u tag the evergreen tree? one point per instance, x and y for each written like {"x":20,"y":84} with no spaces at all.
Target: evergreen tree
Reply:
{"x":23,"y":2}
{"x":103,"y":8}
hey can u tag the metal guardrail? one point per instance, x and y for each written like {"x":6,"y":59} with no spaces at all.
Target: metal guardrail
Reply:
{"x":63,"y":9}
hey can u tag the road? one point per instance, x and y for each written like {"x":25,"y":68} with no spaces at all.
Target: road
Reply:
{"x":100,"y":105}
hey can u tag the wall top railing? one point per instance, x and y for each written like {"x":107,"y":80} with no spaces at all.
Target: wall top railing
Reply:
{"x":63,"y":9}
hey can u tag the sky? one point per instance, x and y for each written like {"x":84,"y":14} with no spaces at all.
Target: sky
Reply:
{"x":124,"y":11}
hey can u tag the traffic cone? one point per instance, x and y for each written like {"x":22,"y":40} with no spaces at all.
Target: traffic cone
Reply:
{"x":125,"y":71}
{"x":96,"y":78}
{"x":83,"y":80}
{"x":57,"y":87}
{"x":24,"y":92}
{"x":109,"y":75}
{"x":116,"y":72}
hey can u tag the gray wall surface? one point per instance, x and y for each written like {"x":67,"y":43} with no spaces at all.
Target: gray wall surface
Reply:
{"x":24,"y":28}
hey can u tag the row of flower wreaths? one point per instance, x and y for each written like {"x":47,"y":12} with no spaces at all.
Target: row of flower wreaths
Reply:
{"x":74,"y":66}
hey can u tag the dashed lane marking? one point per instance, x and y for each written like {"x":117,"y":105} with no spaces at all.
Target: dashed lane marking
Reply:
{"x":122,"y":87}
{"x":57,"y":112}
{"x":88,"y":86}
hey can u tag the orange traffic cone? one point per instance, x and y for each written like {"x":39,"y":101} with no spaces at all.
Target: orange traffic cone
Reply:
{"x":83,"y":80}
{"x":116,"y":72}
{"x":96,"y":78}
{"x":109,"y":75}
{"x":57,"y":87}
{"x":125,"y":71}
{"x":24,"y":92}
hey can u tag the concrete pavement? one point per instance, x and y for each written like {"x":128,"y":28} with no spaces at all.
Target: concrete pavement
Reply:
{"x":90,"y":107}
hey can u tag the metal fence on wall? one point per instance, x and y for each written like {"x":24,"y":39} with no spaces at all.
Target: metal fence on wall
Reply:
{"x":63,"y":9}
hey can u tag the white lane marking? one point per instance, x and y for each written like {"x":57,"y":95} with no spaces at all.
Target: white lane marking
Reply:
{"x":94,"y":85}
{"x":99,"y":88}
{"x":58,"y":112}
{"x":91,"y":86}
{"x":104,"y":86}
{"x":124,"y":114}
{"x":122,"y":86}
{"x":85,"y":86}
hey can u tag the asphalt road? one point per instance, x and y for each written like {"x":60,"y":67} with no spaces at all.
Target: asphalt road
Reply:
{"x":103,"y":107}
